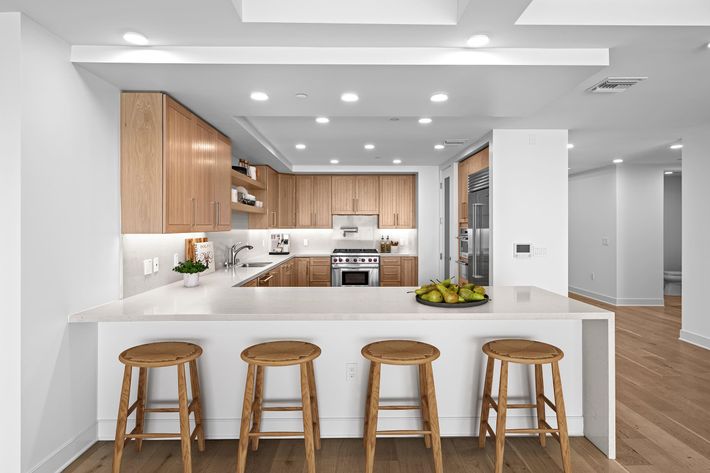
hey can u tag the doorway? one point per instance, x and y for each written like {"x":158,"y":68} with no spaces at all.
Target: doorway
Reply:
{"x":445,"y":223}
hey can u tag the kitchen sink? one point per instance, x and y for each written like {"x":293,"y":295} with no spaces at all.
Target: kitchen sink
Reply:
{"x":255,"y":265}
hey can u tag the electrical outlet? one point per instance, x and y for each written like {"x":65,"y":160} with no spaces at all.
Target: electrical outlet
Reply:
{"x":176,"y":260}
{"x":156,"y":265}
{"x":305,"y":242}
{"x":147,"y":267}
{"x":605,"y":241}
{"x":350,"y":371}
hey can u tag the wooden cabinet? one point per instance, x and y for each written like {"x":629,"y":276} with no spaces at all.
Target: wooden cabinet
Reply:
{"x":397,"y":201}
{"x":270,"y":279}
{"x":356,"y":195}
{"x":286,"y":201}
{"x":269,"y":195}
{"x":398,"y":271}
{"x":468,"y":166}
{"x":175,"y":168}
{"x":410,"y":271}
{"x":313,"y":201}
{"x":252,"y":283}
{"x":287,"y":273}
{"x":302,"y":272}
{"x":319,"y":271}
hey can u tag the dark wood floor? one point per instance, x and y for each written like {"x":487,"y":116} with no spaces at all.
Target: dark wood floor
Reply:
{"x":663,"y":388}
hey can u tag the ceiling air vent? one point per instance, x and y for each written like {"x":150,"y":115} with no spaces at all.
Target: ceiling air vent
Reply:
{"x":614,"y":85}
{"x":456,"y":142}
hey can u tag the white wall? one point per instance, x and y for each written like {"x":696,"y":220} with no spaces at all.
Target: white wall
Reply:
{"x":529,"y":205}
{"x":592,"y":218}
{"x":10,"y":152}
{"x":640,"y":234}
{"x":672,"y":223}
{"x":70,"y":243}
{"x":696,"y":235}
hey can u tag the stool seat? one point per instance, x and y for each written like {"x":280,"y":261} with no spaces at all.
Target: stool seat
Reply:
{"x":281,"y":353}
{"x":527,"y":352}
{"x":400,"y":352}
{"x":160,"y":354}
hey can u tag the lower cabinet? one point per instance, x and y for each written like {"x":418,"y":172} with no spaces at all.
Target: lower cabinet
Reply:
{"x":302,"y":272}
{"x":319,"y":271}
{"x":297,"y":272}
{"x":399,"y":271}
{"x":252,"y":283}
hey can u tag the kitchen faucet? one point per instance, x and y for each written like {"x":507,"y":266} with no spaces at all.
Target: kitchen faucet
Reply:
{"x":234,"y":250}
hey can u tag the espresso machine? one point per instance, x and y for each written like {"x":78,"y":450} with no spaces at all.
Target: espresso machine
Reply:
{"x":279,"y":244}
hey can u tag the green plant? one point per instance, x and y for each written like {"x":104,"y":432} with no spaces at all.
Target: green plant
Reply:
{"x":190,"y":267}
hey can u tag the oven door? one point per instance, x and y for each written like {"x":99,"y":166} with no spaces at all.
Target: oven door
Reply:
{"x":344,"y":276}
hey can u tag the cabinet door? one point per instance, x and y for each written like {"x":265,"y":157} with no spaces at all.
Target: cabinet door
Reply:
{"x":252,"y":283}
{"x":319,"y":270}
{"x":272,"y":198}
{"x":410,"y":273}
{"x":223,"y":183}
{"x":302,"y":275}
{"x":322,"y":191}
{"x":388,"y":201}
{"x":287,"y":201}
{"x":178,"y":215}
{"x":463,"y":191}
{"x":304,"y":201}
{"x":367,"y":195}
{"x":343,"y":200}
{"x":203,"y":163}
{"x":406,"y":198}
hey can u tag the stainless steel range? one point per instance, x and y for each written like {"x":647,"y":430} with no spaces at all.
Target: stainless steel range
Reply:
{"x":355,"y":267}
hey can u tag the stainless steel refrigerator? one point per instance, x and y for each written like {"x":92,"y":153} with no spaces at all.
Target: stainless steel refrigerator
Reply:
{"x":479,"y":212}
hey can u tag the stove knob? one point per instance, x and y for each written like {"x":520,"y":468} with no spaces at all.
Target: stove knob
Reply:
{"x":369,"y":260}
{"x":347,"y":260}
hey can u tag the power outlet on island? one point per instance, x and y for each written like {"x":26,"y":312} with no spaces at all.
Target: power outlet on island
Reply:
{"x":350,"y":372}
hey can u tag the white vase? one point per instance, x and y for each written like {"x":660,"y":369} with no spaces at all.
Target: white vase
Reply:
{"x":191,"y":280}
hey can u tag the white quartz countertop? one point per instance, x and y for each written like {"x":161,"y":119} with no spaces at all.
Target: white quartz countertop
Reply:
{"x":217,"y":300}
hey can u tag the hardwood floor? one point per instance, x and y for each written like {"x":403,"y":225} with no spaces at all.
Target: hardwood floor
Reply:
{"x":663,"y":386}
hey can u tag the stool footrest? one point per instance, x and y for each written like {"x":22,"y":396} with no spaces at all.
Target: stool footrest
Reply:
{"x":403,"y":432}
{"x":555,"y":432}
{"x":152,"y":436}
{"x":399,"y":408}
{"x":531,"y":431}
{"x":282,"y":408}
{"x":275,"y":434}
{"x":190,"y":408}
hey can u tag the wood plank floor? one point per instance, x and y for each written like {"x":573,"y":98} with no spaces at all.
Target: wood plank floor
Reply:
{"x":663,"y":386}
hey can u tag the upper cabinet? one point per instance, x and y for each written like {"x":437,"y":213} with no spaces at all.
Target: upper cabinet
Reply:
{"x":269,"y":195}
{"x":287,"y":201}
{"x":313,"y":201}
{"x":175,"y":168}
{"x":397,"y":201}
{"x":356,"y":195}
{"x":468,"y":166}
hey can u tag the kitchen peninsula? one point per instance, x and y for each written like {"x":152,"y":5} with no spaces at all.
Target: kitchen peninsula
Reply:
{"x":224,"y":320}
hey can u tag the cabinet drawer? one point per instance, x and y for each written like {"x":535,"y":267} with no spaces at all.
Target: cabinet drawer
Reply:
{"x":390,"y":274}
{"x":320,"y":283}
{"x":390,"y":261}
{"x":320,"y":261}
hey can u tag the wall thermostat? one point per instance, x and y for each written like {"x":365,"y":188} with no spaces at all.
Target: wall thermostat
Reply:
{"x":522,"y":250}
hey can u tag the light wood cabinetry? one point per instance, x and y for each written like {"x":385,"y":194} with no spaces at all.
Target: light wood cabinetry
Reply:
{"x":319,"y":271}
{"x":398,"y":271}
{"x":297,"y":272}
{"x":175,"y":168}
{"x":302,"y":272}
{"x":313,"y":201}
{"x":252,"y":283}
{"x":356,"y":195}
{"x":270,"y":279}
{"x":287,"y":201}
{"x":468,"y":166}
{"x":287,"y":273}
{"x":269,"y":195}
{"x":397,"y":201}
{"x":410,"y":271}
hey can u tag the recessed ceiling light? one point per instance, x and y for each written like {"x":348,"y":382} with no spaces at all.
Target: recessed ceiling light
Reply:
{"x":439,"y":97}
{"x":570,"y":146}
{"x":439,"y":146}
{"x":369,"y":146}
{"x":478,"y":41}
{"x":334,"y":161}
{"x":259,"y":96}
{"x":135,"y":38}
{"x":349,"y":97}
{"x":397,"y":161}
{"x":300,"y":146}
{"x":618,"y":161}
{"x":301,"y":95}
{"x":425,"y":121}
{"x":677,"y":146}
{"x":322,"y":120}
{"x":668,"y":173}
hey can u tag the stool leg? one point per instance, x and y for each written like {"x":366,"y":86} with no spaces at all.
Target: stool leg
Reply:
{"x":433,"y":419}
{"x":307,"y":419}
{"x":246,"y":418}
{"x":485,"y":405}
{"x":314,"y":403}
{"x":258,"y":406}
{"x":561,"y":418}
{"x":184,"y":420}
{"x":502,"y":412}
{"x":121,"y":419}
{"x":140,"y":407}
{"x":540,"y":401}
{"x":197,"y":399}
{"x":367,"y":404}
{"x":371,"y":416}
{"x":423,"y":404}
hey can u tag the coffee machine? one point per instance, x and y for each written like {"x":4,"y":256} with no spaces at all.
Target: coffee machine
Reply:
{"x":279,"y":244}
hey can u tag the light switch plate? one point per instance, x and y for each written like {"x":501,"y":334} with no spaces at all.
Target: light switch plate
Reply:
{"x":176,"y":260}
{"x":147,"y":267}
{"x":156,"y":265}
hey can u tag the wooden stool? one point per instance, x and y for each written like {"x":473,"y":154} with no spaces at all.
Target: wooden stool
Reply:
{"x":160,"y":355}
{"x":404,"y":353}
{"x":525,"y":352}
{"x":281,"y":353}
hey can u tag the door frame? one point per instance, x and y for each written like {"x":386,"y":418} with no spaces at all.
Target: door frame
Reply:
{"x":447,"y":172}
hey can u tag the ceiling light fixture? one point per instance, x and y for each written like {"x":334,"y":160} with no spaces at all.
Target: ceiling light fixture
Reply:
{"x":322,"y":120}
{"x":334,"y":161}
{"x":439,"y":146}
{"x":301,"y":95}
{"x":424,"y":121}
{"x":349,"y":97}
{"x":618,"y":161}
{"x":300,"y":146}
{"x":668,"y":173}
{"x":478,"y":41}
{"x":677,"y":146}
{"x":135,"y":38}
{"x":259,"y":96}
{"x":570,"y":146}
{"x":439,"y":97}
{"x":369,"y":146}
{"x":397,"y":161}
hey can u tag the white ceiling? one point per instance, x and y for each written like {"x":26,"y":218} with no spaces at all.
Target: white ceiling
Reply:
{"x":648,"y":117}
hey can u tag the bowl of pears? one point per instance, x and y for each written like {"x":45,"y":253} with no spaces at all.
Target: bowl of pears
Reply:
{"x":447,"y":294}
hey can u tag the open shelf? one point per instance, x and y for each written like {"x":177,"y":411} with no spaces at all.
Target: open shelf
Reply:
{"x":250,"y":209}
{"x":239,"y":179}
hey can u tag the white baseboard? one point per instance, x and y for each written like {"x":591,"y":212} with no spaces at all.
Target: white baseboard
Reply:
{"x":650,"y":302}
{"x":343,"y":427}
{"x":592,"y":295}
{"x":68,"y":452}
{"x":695,"y":339}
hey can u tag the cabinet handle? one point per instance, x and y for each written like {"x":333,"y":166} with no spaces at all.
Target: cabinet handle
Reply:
{"x":193,"y":212}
